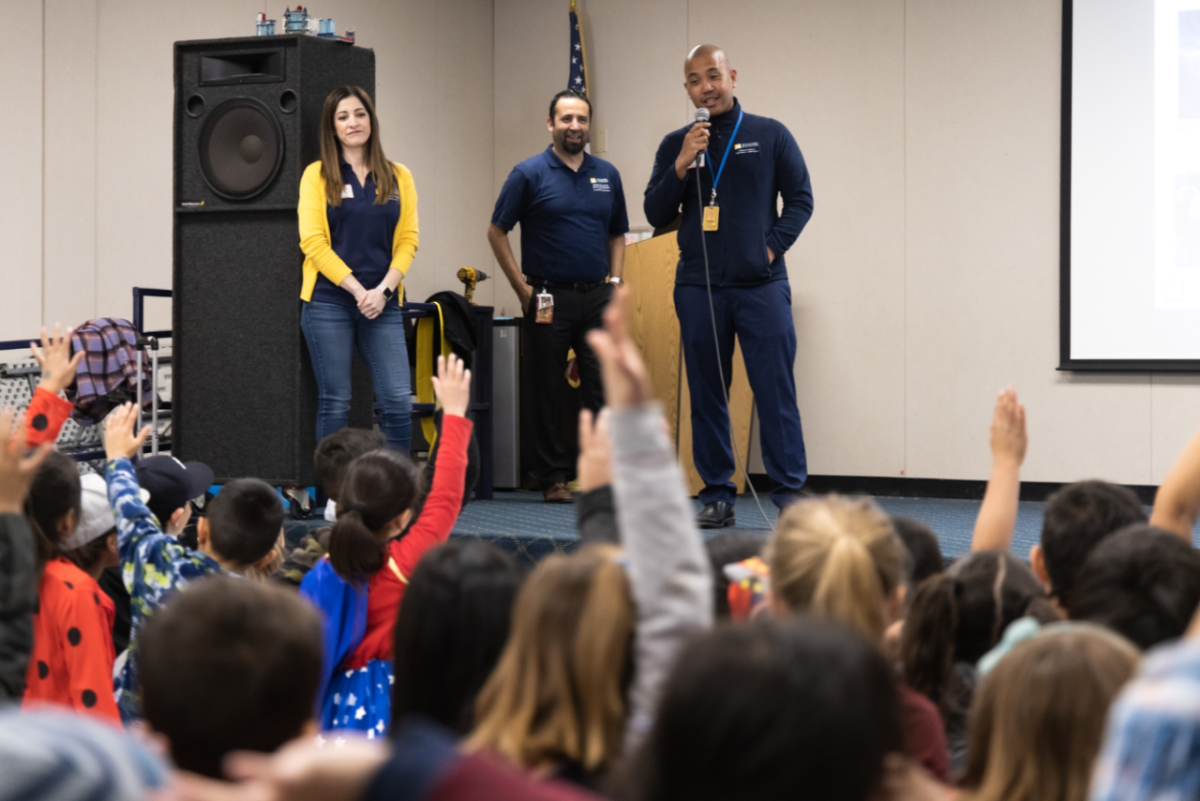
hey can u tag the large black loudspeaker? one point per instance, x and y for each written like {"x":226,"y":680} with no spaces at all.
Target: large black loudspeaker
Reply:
{"x":247,"y":114}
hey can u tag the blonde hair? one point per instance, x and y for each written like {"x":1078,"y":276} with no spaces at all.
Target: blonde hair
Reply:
{"x":839,"y":558}
{"x":1038,"y":718}
{"x":331,"y":150}
{"x":557,"y":692}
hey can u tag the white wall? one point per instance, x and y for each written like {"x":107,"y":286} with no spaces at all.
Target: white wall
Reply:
{"x":926,"y":281}
{"x":928,"y":276}
{"x":88,"y":212}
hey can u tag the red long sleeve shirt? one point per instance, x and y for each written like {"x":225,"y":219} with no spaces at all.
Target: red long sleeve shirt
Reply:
{"x":386,"y":588}
{"x":72,"y":661}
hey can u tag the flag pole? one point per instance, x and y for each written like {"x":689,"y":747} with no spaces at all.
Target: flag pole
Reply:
{"x":582,"y":47}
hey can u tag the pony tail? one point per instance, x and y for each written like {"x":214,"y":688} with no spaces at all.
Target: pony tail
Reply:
{"x":927,"y":642}
{"x":354,"y":550}
{"x":45,"y":548}
{"x":849,"y":588}
{"x":600,"y":651}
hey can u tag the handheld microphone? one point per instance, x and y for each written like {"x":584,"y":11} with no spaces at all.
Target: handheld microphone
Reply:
{"x":701,"y":116}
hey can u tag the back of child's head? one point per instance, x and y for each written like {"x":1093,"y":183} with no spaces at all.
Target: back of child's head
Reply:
{"x":924,"y":550}
{"x":1143,"y":582}
{"x":53,"y":504}
{"x":226,"y":665}
{"x":961,"y":614}
{"x":558,"y":691}
{"x":773,"y":710}
{"x":727,"y":548}
{"x":379,"y":487}
{"x":450,"y":631}
{"x":1038,"y":718}
{"x":335,"y":453}
{"x":244,"y":520}
{"x":1076,"y":519}
{"x":839,"y":558}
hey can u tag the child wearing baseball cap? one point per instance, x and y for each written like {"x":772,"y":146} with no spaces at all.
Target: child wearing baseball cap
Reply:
{"x":238,"y":533}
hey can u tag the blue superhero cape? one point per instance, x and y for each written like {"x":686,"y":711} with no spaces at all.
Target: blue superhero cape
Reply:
{"x":345,"y":612}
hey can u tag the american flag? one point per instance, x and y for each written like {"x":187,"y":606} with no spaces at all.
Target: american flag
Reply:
{"x":578,"y":79}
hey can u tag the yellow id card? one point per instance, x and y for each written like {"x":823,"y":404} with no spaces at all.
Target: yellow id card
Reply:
{"x":712,"y":215}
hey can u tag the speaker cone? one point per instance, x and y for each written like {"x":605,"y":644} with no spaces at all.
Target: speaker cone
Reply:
{"x":241,"y":148}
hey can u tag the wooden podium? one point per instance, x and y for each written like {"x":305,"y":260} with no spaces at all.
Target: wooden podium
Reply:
{"x":650,"y":275}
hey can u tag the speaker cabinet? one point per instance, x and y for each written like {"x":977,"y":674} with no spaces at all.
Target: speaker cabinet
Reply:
{"x":247,"y":114}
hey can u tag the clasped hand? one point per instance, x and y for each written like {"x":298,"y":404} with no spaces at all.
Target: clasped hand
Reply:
{"x":371,"y":303}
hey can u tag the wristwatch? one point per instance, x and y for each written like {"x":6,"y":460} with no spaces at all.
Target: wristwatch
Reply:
{"x":388,"y":292}
{"x":615,"y":280}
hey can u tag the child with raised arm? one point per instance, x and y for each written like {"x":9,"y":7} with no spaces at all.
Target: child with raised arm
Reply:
{"x":46,"y":413}
{"x":18,"y":560}
{"x":360,"y":584}
{"x":239,"y":532}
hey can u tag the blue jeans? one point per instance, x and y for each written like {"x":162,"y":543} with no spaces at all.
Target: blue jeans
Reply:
{"x":332,"y":331}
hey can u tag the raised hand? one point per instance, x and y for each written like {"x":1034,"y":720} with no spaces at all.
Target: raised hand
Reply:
{"x":452,"y":385}
{"x":119,"y":438}
{"x":300,"y":771}
{"x":626,"y":382}
{"x":16,"y":468}
{"x":594,"y":467}
{"x":1008,"y":436}
{"x":997,"y":519}
{"x":58,"y":365}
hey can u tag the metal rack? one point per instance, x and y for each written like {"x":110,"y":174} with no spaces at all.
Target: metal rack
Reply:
{"x":19,"y":379}
{"x":85,"y":443}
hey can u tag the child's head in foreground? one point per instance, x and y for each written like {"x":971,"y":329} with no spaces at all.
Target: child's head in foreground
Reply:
{"x":1077,"y":518}
{"x":242,"y":524}
{"x":335,"y":453}
{"x":773,"y":710}
{"x":1143,"y":582}
{"x":1038,"y":717}
{"x":228,"y":665}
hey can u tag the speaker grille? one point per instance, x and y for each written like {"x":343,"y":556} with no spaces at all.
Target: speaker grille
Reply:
{"x":241,"y":148}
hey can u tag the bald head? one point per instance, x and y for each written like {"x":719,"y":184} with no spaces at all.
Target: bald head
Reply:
{"x":708,"y":79}
{"x":705,"y":51}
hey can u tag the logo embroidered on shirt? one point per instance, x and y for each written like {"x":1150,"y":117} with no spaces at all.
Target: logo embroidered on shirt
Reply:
{"x":600,"y":185}
{"x":745,"y":147}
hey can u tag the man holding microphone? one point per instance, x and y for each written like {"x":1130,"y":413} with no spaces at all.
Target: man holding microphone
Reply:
{"x":743,"y":163}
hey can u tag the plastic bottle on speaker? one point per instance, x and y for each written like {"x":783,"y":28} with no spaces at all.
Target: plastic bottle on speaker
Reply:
{"x":263,"y":26}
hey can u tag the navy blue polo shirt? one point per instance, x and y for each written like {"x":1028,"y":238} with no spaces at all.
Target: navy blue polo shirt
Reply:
{"x":566,"y":217}
{"x":362,"y":234}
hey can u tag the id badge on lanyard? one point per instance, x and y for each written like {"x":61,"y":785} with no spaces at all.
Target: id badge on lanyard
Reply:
{"x":712,"y":212}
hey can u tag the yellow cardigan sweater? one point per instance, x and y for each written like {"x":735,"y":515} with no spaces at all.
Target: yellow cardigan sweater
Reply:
{"x":315,"y":237}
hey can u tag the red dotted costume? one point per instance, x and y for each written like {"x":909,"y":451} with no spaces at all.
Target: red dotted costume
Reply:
{"x":73,"y":654}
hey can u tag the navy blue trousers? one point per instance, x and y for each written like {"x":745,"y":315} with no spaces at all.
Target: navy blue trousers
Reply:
{"x":760,"y":318}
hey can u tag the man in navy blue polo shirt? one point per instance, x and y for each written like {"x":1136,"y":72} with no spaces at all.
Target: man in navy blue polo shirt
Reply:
{"x":571,"y":208}
{"x":744,"y":164}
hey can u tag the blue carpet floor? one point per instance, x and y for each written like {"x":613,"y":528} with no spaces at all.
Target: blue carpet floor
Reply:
{"x":522,"y":523}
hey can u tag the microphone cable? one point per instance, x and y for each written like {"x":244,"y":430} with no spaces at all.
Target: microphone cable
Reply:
{"x":712,"y":312}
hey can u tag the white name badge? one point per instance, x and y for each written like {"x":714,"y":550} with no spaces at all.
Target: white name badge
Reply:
{"x":347,"y":191}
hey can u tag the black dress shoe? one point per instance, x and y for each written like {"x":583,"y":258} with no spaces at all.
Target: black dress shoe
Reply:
{"x":717,"y":514}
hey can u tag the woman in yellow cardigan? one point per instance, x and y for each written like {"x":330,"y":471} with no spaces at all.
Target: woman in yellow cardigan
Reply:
{"x":358,"y":231}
